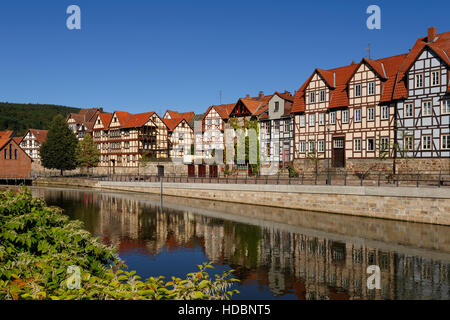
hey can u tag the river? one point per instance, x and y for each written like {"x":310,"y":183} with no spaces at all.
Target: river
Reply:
{"x":276,"y":253}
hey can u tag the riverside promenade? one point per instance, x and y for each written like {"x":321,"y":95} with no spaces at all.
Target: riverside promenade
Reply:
{"x":414,"y":204}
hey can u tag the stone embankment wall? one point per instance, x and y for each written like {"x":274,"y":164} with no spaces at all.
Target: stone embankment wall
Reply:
{"x":425,"y":205}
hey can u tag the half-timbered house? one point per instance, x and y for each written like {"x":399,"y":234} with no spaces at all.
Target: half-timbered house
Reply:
{"x":345,"y":116}
{"x":123,"y":138}
{"x":213,"y":125}
{"x":31,"y":143}
{"x":181,"y":137}
{"x":423,"y":112}
{"x":83,"y":121}
{"x":276,"y":132}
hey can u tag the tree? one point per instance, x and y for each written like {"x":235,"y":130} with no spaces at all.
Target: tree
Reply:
{"x":58,"y":152}
{"x":87,"y":154}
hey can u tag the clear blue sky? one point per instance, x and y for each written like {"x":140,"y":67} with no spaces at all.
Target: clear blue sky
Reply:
{"x":140,"y":56}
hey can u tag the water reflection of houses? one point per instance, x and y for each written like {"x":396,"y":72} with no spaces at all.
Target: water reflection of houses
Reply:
{"x":309,"y":266}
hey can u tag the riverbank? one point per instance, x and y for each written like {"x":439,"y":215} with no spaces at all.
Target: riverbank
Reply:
{"x":424,"y":205}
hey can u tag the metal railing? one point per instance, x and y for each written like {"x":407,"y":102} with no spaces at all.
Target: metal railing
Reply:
{"x":375,"y":179}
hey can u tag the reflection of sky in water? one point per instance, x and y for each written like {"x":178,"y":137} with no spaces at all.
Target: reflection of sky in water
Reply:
{"x":179,"y":262}
{"x":273,"y":260}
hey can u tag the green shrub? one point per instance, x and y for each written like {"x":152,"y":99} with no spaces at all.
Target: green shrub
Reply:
{"x":38,"y":244}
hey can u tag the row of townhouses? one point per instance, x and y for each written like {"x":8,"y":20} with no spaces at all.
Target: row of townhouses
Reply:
{"x":350,"y":117}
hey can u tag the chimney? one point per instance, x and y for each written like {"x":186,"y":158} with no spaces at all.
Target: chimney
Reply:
{"x":431,"y":34}
{"x":261,"y":94}
{"x":287,"y":92}
{"x":247,"y":96}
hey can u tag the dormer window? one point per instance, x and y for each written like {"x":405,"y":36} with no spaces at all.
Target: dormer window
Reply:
{"x":357,"y":90}
{"x":371,"y":88}
{"x":312,"y":97}
{"x":322,"y":95}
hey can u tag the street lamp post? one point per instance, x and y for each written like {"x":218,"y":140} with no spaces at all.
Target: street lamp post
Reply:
{"x":328,"y":157}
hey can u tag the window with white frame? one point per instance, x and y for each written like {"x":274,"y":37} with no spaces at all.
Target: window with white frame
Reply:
{"x":344,"y":116}
{"x":286,"y":125}
{"x":312,"y":146}
{"x":312,"y":97}
{"x":302,"y":147}
{"x":419,"y":80}
{"x":371,"y":88}
{"x":370,"y":144}
{"x":277,"y":106}
{"x":321,"y":119}
{"x":408,"y":143}
{"x":435,"y":75}
{"x":409,"y":110}
{"x":312,"y":120}
{"x":358,"y":90}
{"x":332,"y":117}
{"x":357,"y":115}
{"x":321,"y":146}
{"x":322,"y":95}
{"x":370,"y":114}
{"x":426,"y":142}
{"x":302,"y":120}
{"x":426,"y":108}
{"x":384,"y":112}
{"x":384,"y":144}
{"x":445,"y":106}
{"x":357,"y":144}
{"x":445,"y":142}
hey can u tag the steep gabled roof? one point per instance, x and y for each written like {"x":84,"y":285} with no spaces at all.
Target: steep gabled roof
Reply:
{"x":255,"y":105}
{"x":105,"y":118}
{"x":6,"y":133}
{"x":122,"y":116}
{"x":137,"y":120}
{"x":40,"y":135}
{"x":328,"y":77}
{"x":440,"y":46}
{"x":185,"y":115}
{"x":18,"y":140}
{"x":223,"y":110}
{"x":172,"y":123}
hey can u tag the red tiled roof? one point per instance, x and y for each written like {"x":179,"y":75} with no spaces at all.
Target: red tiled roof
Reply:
{"x":391,"y":66}
{"x":172,"y":123}
{"x":441,"y":46}
{"x":185,"y":115}
{"x":299,"y":97}
{"x":223,"y":110}
{"x":6,"y":133}
{"x":40,"y":135}
{"x":328,"y":77}
{"x":4,"y":140}
{"x":122,"y":116}
{"x":106,"y":119}
{"x":386,"y":68}
{"x":18,"y":140}
{"x":137,"y":120}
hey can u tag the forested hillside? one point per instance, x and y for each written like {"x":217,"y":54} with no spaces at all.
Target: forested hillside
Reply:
{"x":21,"y":117}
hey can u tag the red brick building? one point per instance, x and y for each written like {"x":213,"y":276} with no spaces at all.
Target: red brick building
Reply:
{"x":14,"y":162}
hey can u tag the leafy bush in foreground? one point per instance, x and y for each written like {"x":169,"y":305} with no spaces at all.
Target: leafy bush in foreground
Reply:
{"x":38,"y":244}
